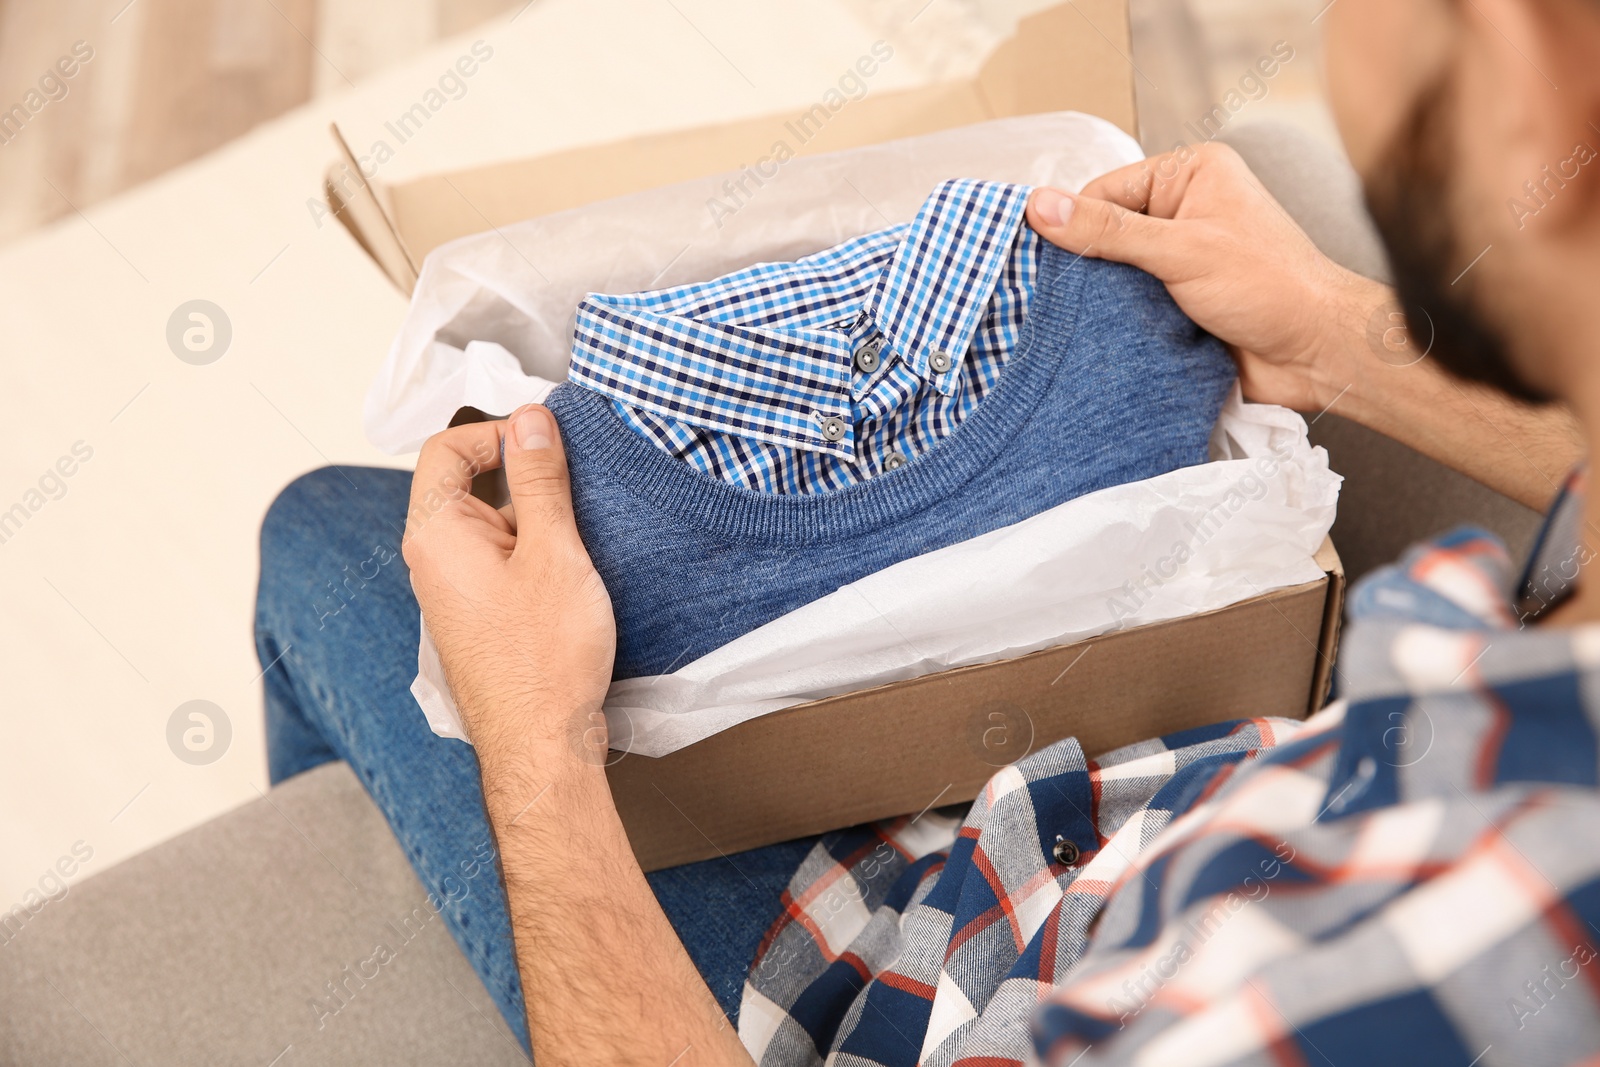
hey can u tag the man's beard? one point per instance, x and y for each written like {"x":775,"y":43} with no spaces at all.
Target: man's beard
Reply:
{"x":1410,"y":197}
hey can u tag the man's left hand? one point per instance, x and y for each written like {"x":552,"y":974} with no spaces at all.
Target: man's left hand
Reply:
{"x":522,"y":622}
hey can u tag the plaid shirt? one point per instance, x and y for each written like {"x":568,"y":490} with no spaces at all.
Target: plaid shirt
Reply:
{"x":813,"y":375}
{"x":1410,"y":877}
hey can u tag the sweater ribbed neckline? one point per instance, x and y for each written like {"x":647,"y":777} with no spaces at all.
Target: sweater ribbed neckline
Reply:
{"x":599,"y":441}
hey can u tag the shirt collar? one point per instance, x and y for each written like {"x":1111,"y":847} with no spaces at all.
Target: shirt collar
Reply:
{"x":932,"y":297}
{"x":746,"y":355}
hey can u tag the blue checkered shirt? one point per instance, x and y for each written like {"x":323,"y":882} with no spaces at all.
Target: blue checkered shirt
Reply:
{"x":814,"y":375}
{"x":1412,"y":876}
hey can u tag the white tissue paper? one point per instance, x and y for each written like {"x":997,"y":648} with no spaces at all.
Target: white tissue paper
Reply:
{"x":490,"y":327}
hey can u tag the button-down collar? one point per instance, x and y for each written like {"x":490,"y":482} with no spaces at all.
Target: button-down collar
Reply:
{"x":769,"y":353}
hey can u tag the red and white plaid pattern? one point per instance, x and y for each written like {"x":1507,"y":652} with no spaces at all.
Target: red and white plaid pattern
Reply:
{"x":924,"y":939}
{"x":1412,"y":876}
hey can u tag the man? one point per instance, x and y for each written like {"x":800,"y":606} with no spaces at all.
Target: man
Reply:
{"x":1411,"y":877}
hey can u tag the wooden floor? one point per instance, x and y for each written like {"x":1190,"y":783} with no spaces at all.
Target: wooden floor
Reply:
{"x":170,"y":80}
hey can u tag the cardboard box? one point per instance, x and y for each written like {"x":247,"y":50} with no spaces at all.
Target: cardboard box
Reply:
{"x":900,"y":748}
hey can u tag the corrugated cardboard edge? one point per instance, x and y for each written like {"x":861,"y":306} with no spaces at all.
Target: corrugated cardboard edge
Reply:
{"x":1332,"y":619}
{"x":358,"y":204}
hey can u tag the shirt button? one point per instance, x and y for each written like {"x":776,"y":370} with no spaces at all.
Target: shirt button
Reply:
{"x":833,"y":428}
{"x":1065,"y":852}
{"x":867,"y":356}
{"x":940,"y":361}
{"x":894,"y":461}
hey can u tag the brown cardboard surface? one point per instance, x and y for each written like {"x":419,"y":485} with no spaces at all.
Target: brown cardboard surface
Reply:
{"x":1070,"y":57}
{"x":899,"y":748}
{"x":1332,"y":617}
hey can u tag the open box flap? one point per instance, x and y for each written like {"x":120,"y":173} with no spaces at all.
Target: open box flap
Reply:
{"x":358,"y":203}
{"x":1070,"y":57}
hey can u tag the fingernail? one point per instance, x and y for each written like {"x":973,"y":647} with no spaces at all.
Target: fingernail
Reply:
{"x":533,"y":428}
{"x":1052,"y":206}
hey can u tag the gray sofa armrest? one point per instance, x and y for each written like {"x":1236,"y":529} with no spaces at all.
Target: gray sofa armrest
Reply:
{"x":250,"y":940}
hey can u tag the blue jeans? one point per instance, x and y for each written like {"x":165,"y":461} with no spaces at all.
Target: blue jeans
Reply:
{"x":336,"y":630}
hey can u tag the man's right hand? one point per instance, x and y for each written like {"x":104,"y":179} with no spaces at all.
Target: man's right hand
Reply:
{"x":1234,"y":261}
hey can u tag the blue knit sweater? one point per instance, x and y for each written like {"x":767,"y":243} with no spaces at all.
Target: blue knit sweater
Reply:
{"x":1110,"y":383}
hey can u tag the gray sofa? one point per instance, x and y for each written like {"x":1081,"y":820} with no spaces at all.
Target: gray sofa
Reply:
{"x":244,"y":941}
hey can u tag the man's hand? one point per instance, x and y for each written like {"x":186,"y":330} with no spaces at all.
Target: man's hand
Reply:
{"x":1305,"y":332}
{"x":526,"y":636}
{"x":1232,"y":259}
{"x":522,"y":622}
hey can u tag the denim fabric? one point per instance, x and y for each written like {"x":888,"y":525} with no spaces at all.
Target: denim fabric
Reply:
{"x":1110,"y":383}
{"x":336,"y":626}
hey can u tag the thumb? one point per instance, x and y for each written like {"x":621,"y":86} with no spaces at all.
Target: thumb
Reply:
{"x":1101,"y":229}
{"x":536,"y":474}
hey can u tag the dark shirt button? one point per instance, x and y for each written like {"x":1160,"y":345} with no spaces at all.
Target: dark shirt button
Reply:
{"x":1066,"y":852}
